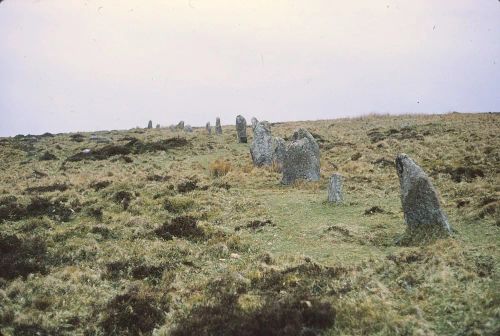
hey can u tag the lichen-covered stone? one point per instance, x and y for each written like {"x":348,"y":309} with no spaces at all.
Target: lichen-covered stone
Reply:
{"x":279,"y":148}
{"x":254,"y":123}
{"x":419,"y":199}
{"x":302,"y":159}
{"x":241,"y":129}
{"x":150,"y":124}
{"x":180,"y":125}
{"x":218,"y":127}
{"x":335,"y":189}
{"x":261,"y":148}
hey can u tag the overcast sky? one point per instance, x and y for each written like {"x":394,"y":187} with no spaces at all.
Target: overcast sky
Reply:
{"x":77,"y":65}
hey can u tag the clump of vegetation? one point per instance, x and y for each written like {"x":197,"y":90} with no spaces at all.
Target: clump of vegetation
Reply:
{"x":135,"y":312}
{"x":182,"y":227}
{"x":123,"y":197}
{"x":178,"y":204}
{"x":10,"y":209}
{"x":20,"y":257}
{"x":98,"y":185}
{"x":219,"y":168}
{"x":47,"y":156}
{"x":187,"y":186}
{"x":55,"y":209}
{"x":255,"y":225}
{"x":48,"y":188}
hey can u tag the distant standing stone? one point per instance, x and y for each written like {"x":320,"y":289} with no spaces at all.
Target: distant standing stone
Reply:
{"x":279,"y":148}
{"x":261,"y":148}
{"x":218,"y":127}
{"x":301,"y":160}
{"x":208,"y":128}
{"x":335,"y":189}
{"x":241,"y":129}
{"x":180,"y":125}
{"x":419,"y":199}
{"x":188,"y":129}
{"x":254,"y":123}
{"x":157,"y":125}
{"x":150,"y":124}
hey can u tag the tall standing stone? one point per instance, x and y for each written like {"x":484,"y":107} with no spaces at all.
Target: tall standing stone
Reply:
{"x":254,"y":123}
{"x":180,"y":125}
{"x":208,"y":128}
{"x":261,"y":148}
{"x":335,"y":189}
{"x":241,"y":129}
{"x":419,"y":199}
{"x":279,"y":149}
{"x":218,"y":127}
{"x":150,"y":124}
{"x":301,"y":161}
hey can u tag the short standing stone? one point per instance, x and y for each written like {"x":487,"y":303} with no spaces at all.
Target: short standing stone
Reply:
{"x":208,"y":128}
{"x":254,"y":123}
{"x":279,"y":148}
{"x":218,"y":127}
{"x":180,"y":125}
{"x":188,"y":129}
{"x":335,"y":189}
{"x":150,"y":124}
{"x":261,"y":148}
{"x":301,"y":160}
{"x":241,"y":129}
{"x":419,"y":199}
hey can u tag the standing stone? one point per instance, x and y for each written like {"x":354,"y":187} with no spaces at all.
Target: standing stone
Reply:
{"x":188,"y":129}
{"x":301,"y":160}
{"x":218,"y":127}
{"x":241,"y":129}
{"x":254,"y":123}
{"x":419,"y":199}
{"x":150,"y":124}
{"x":279,"y":148}
{"x":261,"y":148}
{"x":157,"y":125}
{"x":335,"y":189}
{"x":208,"y":128}
{"x":180,"y":125}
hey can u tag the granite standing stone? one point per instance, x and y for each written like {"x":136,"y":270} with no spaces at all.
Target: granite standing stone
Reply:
{"x":180,"y":125}
{"x":150,"y":124}
{"x":157,"y":125}
{"x":254,"y":123}
{"x":261,"y":148}
{"x":419,"y":199}
{"x":241,"y":129}
{"x":302,"y":159}
{"x":188,"y":129}
{"x":208,"y":128}
{"x":335,"y":189}
{"x":218,"y":127}
{"x":279,"y":148}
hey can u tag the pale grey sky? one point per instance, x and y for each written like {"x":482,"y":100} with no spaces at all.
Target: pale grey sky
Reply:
{"x":81,"y":65}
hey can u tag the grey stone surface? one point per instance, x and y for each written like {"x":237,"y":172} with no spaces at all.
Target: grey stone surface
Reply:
{"x":99,"y":139}
{"x":157,"y":125}
{"x":218,"y":127}
{"x":180,"y":125}
{"x":241,"y":129}
{"x":208,"y":128}
{"x":335,"y":189}
{"x":188,"y":129}
{"x":279,"y":148}
{"x":301,"y":159}
{"x":254,"y":123}
{"x":150,"y":124}
{"x":419,"y":199}
{"x":261,"y":148}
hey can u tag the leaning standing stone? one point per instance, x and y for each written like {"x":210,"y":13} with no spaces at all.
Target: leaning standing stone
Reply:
{"x":335,"y":189}
{"x":208,"y":128}
{"x":218,"y":127}
{"x":301,"y":160}
{"x":180,"y":125}
{"x":241,"y":129}
{"x":150,"y":124}
{"x":261,"y":148}
{"x":419,"y":199}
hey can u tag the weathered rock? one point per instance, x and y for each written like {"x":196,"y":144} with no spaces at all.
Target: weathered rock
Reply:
{"x":279,"y":148}
{"x":254,"y":123}
{"x":335,"y":189}
{"x":150,"y":124}
{"x":172,"y":128}
{"x":218,"y":127}
{"x":180,"y":125}
{"x":241,"y":129}
{"x":157,"y":125}
{"x":419,"y":199}
{"x":188,"y":129}
{"x":261,"y":148}
{"x":208,"y":128}
{"x":301,"y":160}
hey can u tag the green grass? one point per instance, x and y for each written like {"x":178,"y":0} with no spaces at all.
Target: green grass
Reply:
{"x":328,"y":269}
